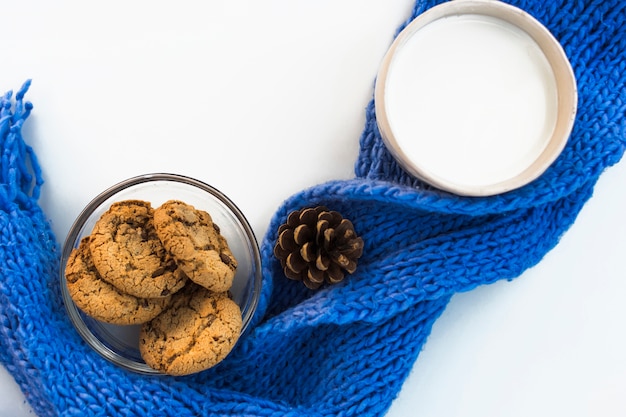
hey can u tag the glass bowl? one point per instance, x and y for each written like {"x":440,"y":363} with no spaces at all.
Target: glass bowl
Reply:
{"x":120,"y":344}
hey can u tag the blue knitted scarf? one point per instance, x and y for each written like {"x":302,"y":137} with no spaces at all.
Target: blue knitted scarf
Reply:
{"x":343,"y":350}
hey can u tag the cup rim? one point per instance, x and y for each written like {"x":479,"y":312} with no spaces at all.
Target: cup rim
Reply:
{"x":567,"y":94}
{"x":73,"y":237}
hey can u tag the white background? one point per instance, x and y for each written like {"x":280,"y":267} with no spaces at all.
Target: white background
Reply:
{"x":264,"y":98}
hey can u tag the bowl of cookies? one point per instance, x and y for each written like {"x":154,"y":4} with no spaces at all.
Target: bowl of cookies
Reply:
{"x":161,"y":274}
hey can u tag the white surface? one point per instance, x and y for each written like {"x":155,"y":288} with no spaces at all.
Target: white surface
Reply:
{"x":262,"y":99}
{"x":492,"y":79}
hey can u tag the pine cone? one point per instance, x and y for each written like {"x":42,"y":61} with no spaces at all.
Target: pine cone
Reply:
{"x":317,"y":245}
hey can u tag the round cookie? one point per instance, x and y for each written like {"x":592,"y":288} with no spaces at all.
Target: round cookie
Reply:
{"x":128,"y":253}
{"x":101,"y":300}
{"x":196,"y":244}
{"x":195,"y":333}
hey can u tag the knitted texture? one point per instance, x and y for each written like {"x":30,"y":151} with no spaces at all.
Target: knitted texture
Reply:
{"x":344,"y":350}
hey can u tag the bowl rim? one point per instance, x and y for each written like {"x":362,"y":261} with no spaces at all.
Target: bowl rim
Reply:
{"x":72,"y":237}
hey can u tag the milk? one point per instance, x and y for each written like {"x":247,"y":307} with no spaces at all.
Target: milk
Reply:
{"x":471,"y":100}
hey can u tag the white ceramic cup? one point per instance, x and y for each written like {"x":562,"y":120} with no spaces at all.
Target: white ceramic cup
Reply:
{"x":475,"y":97}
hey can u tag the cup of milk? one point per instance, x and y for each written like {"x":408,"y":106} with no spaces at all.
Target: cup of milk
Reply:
{"x":475,"y":97}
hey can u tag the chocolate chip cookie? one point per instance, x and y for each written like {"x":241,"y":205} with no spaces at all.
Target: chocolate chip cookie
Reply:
{"x":128,"y":254}
{"x":194,"y":333}
{"x":196,"y":244}
{"x":101,"y":300}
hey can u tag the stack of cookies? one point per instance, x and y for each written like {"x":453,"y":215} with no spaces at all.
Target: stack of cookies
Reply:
{"x":168,"y":269}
